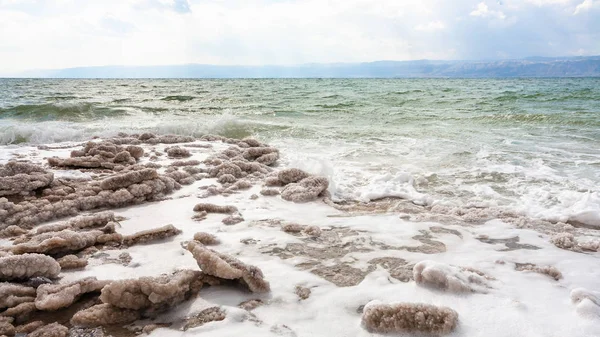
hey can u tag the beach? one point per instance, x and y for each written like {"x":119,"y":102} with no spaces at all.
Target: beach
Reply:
{"x":323,"y":206}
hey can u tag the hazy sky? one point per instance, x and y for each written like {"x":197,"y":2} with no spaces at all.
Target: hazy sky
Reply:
{"x":37,"y":34}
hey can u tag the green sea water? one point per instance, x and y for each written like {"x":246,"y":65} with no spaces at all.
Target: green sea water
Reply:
{"x":529,"y":144}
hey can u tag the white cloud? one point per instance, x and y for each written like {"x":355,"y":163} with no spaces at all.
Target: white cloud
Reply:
{"x":484,"y":11}
{"x":431,"y":26}
{"x":584,"y":6}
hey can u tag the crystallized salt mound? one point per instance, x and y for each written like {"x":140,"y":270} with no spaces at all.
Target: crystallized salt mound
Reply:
{"x":305,"y":190}
{"x":232,"y":220}
{"x":127,"y":179}
{"x":178,"y":152}
{"x":213,"y":314}
{"x":66,"y":241}
{"x":13,"y":294}
{"x":206,"y":239}
{"x":587,"y":303}
{"x":72,"y":262}
{"x":27,"y":266}
{"x":291,"y":175}
{"x":564,"y":241}
{"x":228,"y":267}
{"x":153,"y":294}
{"x":104,"y":315}
{"x":6,"y":327}
{"x":449,"y":278}
{"x":211,"y":208}
{"x":50,"y":330}
{"x":546,"y":270}
{"x":149,"y":235}
{"x":17,"y":178}
{"x":55,"y":296}
{"x":409,"y":317}
{"x":81,"y":222}
{"x":29,"y":327}
{"x":104,"y":154}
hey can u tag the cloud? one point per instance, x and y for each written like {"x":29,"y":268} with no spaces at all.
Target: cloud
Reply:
{"x":484,"y":12}
{"x":431,"y":26}
{"x":46,"y":34}
{"x":583,"y":7}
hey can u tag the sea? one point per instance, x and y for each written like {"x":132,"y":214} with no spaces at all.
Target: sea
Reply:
{"x":530,"y":146}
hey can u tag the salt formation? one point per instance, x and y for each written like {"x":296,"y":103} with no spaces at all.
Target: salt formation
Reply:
{"x":228,"y":267}
{"x":50,"y":330}
{"x":103,"y":315}
{"x":546,"y":270}
{"x":149,"y":235}
{"x":52,"y":297}
{"x":269,"y":192}
{"x":100,"y":155}
{"x":72,"y":262}
{"x":305,"y":190}
{"x":232,"y":220}
{"x":21,"y":178}
{"x":587,"y":303}
{"x":302,"y":292}
{"x":27,"y":266}
{"x":449,"y":278}
{"x":13,"y":294}
{"x":178,"y":152}
{"x":569,"y":242}
{"x":206,"y":239}
{"x":65,"y":242}
{"x":409,"y":318}
{"x":212,"y":208}
{"x":205,"y":316}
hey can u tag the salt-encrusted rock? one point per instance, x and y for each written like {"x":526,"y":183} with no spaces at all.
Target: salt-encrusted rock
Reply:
{"x":50,"y":330}
{"x":564,"y":241}
{"x":232,"y":220}
{"x":6,"y":327}
{"x":153,"y":294}
{"x":305,"y":190}
{"x":212,"y":208}
{"x":127,"y":179}
{"x":449,"y":278}
{"x":291,"y":175}
{"x":269,"y":192}
{"x":178,"y":152}
{"x":409,"y":318}
{"x":207,"y":315}
{"x":81,"y":222}
{"x":52,"y":297}
{"x":104,"y":315}
{"x":546,"y":270}
{"x":72,"y":262}
{"x":206,"y":239}
{"x":26,"y":266}
{"x":13,"y":294}
{"x":228,"y":267}
{"x":17,"y":178}
{"x":66,"y":241}
{"x":150,"y":235}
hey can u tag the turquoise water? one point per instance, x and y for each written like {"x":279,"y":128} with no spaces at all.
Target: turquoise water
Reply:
{"x":531,"y":144}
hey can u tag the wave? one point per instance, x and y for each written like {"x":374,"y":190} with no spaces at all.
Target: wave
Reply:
{"x":69,"y":111}
{"x":179,"y":98}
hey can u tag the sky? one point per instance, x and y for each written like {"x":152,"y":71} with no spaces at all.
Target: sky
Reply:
{"x":53,"y":34}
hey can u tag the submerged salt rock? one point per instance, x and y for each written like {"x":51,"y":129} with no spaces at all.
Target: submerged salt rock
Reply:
{"x":409,"y":318}
{"x":269,"y":192}
{"x":587,"y":303}
{"x":52,"y":297}
{"x":228,"y":267}
{"x":212,"y":208}
{"x":27,"y":266}
{"x":307,"y":189}
{"x":232,"y":220}
{"x":205,"y":316}
{"x":149,"y":235}
{"x":546,"y":270}
{"x":12,"y":294}
{"x":449,"y":278}
{"x":18,"y":177}
{"x":104,"y":315}
{"x":153,"y":293}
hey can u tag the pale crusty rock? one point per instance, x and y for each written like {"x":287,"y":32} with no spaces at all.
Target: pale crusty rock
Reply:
{"x":12,"y":294}
{"x":228,"y":267}
{"x":29,"y":327}
{"x":292,"y":228}
{"x":127,"y":179}
{"x":26,"y":266}
{"x":312,"y":231}
{"x":305,"y":190}
{"x":6,"y":327}
{"x":291,"y":175}
{"x":449,"y":278}
{"x":232,"y":220}
{"x":50,"y":330}
{"x":153,"y":294}
{"x":72,"y":262}
{"x":17,"y":178}
{"x":52,"y":297}
{"x":269,"y":192}
{"x":12,"y":231}
{"x":302,"y":292}
{"x":103,"y":315}
{"x":81,"y":222}
{"x":150,"y":235}
{"x":207,"y":315}
{"x":546,"y":270}
{"x":65,"y":241}
{"x":178,"y":152}
{"x":409,"y":318}
{"x":212,"y":208}
{"x":206,"y":239}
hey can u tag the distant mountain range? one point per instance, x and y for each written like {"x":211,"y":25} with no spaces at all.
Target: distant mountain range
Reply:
{"x":588,"y":66}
